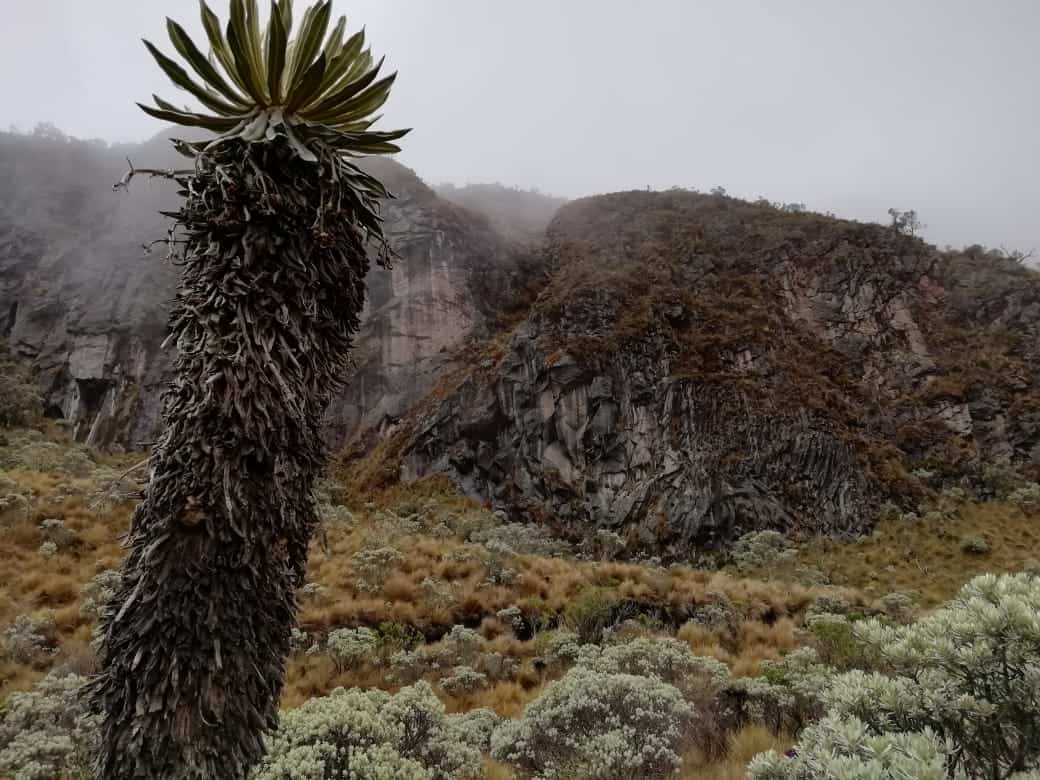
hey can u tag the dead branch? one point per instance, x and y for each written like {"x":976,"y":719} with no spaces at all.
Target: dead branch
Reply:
{"x":167,"y":173}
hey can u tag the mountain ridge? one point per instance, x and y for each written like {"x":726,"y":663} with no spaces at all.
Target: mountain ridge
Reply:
{"x":699,"y":367}
{"x":677,"y":367}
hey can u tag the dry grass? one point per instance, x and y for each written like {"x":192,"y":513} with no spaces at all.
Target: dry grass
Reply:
{"x":44,"y":587}
{"x":922,"y":557}
{"x":743,"y":746}
{"x":925,"y":557}
{"x":41,"y":586}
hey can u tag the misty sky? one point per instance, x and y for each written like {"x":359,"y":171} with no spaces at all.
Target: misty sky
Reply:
{"x":846,"y":106}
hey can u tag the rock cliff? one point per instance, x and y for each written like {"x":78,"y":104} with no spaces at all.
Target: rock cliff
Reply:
{"x":678,"y":367}
{"x":699,"y":366}
{"x":83,"y":302}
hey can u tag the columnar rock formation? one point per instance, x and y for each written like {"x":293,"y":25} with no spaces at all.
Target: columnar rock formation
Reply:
{"x":699,"y":367}
{"x":679,"y":367}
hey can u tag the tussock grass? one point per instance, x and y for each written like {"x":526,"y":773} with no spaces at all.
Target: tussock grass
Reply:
{"x":925,"y":557}
{"x":922,"y":557}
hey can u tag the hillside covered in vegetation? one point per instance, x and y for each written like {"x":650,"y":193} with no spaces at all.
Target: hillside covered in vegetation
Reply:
{"x":686,"y":480}
{"x":696,"y":367}
{"x":528,"y":655}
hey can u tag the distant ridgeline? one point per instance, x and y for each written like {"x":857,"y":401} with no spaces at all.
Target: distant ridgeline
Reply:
{"x":521,"y":215}
{"x":675,"y":366}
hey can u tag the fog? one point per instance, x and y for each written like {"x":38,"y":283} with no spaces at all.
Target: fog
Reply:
{"x":847,"y":107}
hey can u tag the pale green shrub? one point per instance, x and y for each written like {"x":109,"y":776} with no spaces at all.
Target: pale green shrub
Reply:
{"x":762,"y":549}
{"x":27,"y":449}
{"x":795,"y":681}
{"x":1002,"y":480}
{"x":718,"y":613}
{"x":46,"y":733}
{"x":597,"y":726}
{"x":464,"y":680}
{"x":898,"y":606}
{"x":499,"y":563}
{"x":828,"y":604}
{"x":559,"y":648}
{"x":844,"y":749}
{"x":369,"y":735}
{"x":666,"y":659}
{"x":497,"y":666}
{"x":810,"y":576}
{"x":522,"y":539}
{"x":969,"y":671}
{"x":347,"y":646}
{"x":394,"y":637}
{"x":1027,"y":498}
{"x":700,"y":679}
{"x":924,"y":475}
{"x":974,"y":545}
{"x":335,"y":516}
{"x":408,"y":666}
{"x":372,"y":566}
{"x":889,"y":512}
{"x":98,"y":592}
{"x":437,"y":593}
{"x":461,"y":645}
{"x":20,"y":402}
{"x":26,"y":640}
{"x":934,"y":517}
{"x":13,"y":507}
{"x":54,"y":531}
{"x":312,"y":590}
{"x":591,"y":613}
{"x":475,"y":727}
{"x":512,"y":616}
{"x":427,"y":736}
{"x":950,"y":501}
{"x":835,"y":640}
{"x":300,"y":642}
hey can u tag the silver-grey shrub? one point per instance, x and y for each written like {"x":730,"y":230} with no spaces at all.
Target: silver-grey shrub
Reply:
{"x":355,"y":734}
{"x":968,"y":672}
{"x":46,"y":733}
{"x":592,"y":725}
{"x":845,"y":749}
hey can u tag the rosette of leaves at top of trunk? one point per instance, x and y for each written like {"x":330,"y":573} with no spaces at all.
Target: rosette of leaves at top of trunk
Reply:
{"x":317,"y":89}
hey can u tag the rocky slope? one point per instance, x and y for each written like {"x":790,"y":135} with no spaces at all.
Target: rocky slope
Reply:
{"x":82,"y":301}
{"x":678,"y":367}
{"x":699,"y":366}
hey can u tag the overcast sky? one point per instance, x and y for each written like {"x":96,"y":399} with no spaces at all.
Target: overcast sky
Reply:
{"x":846,"y":106}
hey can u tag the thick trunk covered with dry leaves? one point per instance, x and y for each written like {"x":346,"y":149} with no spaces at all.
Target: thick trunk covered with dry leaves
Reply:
{"x":192,"y":657}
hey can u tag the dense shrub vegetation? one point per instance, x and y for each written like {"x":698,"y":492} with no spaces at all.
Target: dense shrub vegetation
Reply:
{"x":959,"y":688}
{"x":438,"y":641}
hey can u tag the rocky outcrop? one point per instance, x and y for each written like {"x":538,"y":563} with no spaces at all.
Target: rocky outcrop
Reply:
{"x":425,"y":308}
{"x":699,"y":367}
{"x":678,"y":367}
{"x":83,"y":302}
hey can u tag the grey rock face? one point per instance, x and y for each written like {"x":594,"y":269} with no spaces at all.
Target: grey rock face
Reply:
{"x":693,"y":368}
{"x":801,"y":405}
{"x":82,"y":301}
{"x":632,"y":449}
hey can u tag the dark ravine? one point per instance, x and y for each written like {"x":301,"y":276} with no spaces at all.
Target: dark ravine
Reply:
{"x":677,"y":367}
